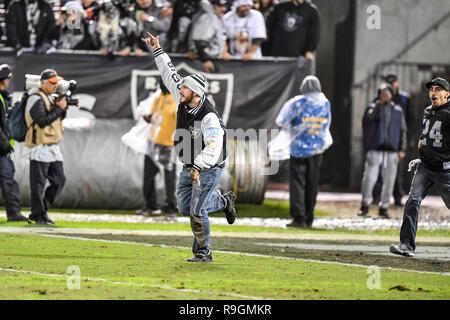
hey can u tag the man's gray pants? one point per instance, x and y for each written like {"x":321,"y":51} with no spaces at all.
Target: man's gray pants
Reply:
{"x":386,"y":161}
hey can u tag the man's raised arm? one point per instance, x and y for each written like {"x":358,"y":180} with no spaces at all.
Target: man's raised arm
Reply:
{"x":169,"y":74}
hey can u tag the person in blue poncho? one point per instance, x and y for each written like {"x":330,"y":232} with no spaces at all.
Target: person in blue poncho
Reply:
{"x":305,"y":134}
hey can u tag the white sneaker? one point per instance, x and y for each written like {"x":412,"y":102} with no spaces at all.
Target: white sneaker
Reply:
{"x":152,"y":212}
{"x":401,"y":249}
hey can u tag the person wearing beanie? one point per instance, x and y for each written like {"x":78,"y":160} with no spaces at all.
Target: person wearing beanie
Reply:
{"x":433,"y":166}
{"x":9,"y":186}
{"x":207,"y":40}
{"x":384,"y":137}
{"x":200,"y":144}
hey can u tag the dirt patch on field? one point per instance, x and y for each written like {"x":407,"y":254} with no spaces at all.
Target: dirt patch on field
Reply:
{"x":246,"y":245}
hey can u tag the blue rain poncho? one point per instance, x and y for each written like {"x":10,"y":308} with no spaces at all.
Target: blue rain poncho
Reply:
{"x":305,"y":124}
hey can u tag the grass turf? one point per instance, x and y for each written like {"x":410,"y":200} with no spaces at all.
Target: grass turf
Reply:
{"x":134,"y":271}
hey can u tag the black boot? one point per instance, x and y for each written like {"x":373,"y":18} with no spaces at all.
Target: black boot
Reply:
{"x":230,"y":211}
{"x":15,"y":216}
{"x":363,"y":211}
{"x":383,"y":213}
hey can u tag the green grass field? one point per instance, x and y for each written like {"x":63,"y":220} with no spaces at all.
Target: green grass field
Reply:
{"x":134,"y":271}
{"x":148,"y":261}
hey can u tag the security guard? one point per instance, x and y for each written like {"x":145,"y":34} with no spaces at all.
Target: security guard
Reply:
{"x":9,"y":186}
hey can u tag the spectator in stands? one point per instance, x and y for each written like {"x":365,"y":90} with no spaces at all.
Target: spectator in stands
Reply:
{"x":294,"y":29}
{"x":115,"y":31}
{"x":183,"y":13}
{"x":229,"y":5}
{"x":265,"y":7}
{"x":245,"y":29}
{"x":207,"y":37}
{"x":92,"y":8}
{"x":155,"y":17}
{"x":30,"y":24}
{"x":74,"y":31}
{"x":384,"y":136}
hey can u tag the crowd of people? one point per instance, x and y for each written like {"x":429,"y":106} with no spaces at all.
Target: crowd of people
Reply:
{"x":203,"y":29}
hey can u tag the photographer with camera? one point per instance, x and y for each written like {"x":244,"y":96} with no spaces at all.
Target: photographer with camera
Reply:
{"x":9,"y":186}
{"x":44,"y":114}
{"x":74,"y":32}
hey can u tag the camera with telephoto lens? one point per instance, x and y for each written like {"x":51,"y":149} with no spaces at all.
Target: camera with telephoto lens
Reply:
{"x":66,"y":88}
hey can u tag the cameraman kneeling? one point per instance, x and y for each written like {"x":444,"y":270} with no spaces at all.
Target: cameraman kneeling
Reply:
{"x":44,"y":115}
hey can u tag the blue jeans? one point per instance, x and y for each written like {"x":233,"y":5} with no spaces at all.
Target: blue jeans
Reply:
{"x":197,"y":202}
{"x":421,"y":183}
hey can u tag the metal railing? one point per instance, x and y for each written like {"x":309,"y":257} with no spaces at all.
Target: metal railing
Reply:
{"x":145,"y":54}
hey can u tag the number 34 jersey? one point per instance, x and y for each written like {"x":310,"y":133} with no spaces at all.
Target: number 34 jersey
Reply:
{"x":435,"y":149}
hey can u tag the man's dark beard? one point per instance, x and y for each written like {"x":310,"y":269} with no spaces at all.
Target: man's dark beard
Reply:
{"x":187,"y":102}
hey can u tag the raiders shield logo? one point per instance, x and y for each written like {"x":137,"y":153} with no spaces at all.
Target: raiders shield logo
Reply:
{"x":219,"y":87}
{"x":195,"y":132}
{"x":292,"y":21}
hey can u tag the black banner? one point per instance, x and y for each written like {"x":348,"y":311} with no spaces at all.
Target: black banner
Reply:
{"x":102,"y":172}
{"x":248,"y":94}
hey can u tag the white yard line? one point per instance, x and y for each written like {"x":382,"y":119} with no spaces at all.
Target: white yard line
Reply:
{"x":235,"y":295}
{"x":250,"y":254}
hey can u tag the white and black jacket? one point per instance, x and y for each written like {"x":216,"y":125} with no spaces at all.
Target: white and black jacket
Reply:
{"x":200,"y":137}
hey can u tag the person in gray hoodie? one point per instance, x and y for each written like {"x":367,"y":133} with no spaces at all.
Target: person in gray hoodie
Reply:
{"x":207,"y":36}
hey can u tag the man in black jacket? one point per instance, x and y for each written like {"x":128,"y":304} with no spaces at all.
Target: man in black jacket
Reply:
{"x":200,"y":144}
{"x":434,"y":164}
{"x":294,"y":29}
{"x":44,"y":115}
{"x":9,"y":186}
{"x":30,"y":24}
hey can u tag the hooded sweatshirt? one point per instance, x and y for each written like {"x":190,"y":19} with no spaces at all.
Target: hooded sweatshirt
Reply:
{"x":305,"y":121}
